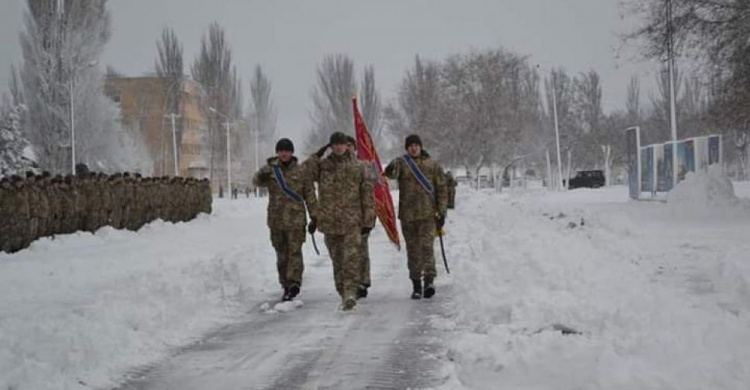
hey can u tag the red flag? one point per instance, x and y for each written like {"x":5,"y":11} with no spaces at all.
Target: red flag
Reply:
{"x":383,"y":201}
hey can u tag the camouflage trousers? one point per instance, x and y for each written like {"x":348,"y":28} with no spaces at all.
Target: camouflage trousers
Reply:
{"x":420,"y":243}
{"x":344,"y":252}
{"x":364,"y":260}
{"x":289,"y":263}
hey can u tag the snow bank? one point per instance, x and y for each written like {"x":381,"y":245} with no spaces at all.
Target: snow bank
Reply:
{"x":554,"y":293}
{"x":706,"y":192}
{"x":80,"y":310}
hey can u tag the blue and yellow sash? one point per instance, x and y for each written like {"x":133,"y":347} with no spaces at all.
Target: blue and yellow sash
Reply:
{"x":282,"y":184}
{"x":423,"y":181}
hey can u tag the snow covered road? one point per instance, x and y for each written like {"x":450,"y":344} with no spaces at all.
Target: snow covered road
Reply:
{"x":576,"y":290}
{"x":386,"y":343}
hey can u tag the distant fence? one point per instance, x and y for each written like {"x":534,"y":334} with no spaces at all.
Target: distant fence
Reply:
{"x":658,"y":168}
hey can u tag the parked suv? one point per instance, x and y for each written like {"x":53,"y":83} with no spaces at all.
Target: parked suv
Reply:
{"x":587,"y":179}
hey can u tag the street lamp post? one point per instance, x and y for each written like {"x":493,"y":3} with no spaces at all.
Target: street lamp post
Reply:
{"x":227,"y":123}
{"x":557,"y":129}
{"x":174,"y":143}
{"x":557,"y":135}
{"x":257,"y":130}
{"x":72,"y":129}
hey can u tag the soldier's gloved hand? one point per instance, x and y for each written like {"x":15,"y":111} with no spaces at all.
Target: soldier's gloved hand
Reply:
{"x":439,"y":220}
{"x":365,"y":230}
{"x":312,"y":226}
{"x":322,"y":150}
{"x":389,"y":170}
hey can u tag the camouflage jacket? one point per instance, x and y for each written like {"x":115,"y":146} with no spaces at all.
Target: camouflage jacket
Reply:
{"x":414,"y":202}
{"x":346,"y":193}
{"x":370,"y":175}
{"x":284,"y":212}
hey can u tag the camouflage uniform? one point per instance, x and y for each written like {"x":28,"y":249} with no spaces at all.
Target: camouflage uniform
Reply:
{"x":20,"y":230}
{"x":68,"y":206}
{"x":55,"y":204}
{"x":286,"y":217}
{"x":117,"y":188}
{"x":207,"y":197}
{"x":33,"y":197}
{"x":93,"y":204}
{"x":417,"y":212}
{"x":107,"y":202}
{"x":7,"y":215}
{"x":451,"y":184}
{"x":346,"y":205}
{"x":364,"y":247}
{"x":128,"y":202}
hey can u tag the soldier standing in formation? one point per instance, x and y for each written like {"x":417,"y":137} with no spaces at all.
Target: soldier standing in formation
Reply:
{"x":450,"y":182}
{"x":345,"y":212}
{"x":41,"y":206}
{"x":364,"y":247}
{"x":422,"y":210}
{"x":290,"y":189}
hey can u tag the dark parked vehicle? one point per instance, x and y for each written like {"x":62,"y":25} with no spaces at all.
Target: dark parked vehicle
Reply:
{"x":587,"y":179}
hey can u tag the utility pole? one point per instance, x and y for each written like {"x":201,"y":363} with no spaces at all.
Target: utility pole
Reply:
{"x":557,"y":132}
{"x":672,"y":109}
{"x":229,"y":162}
{"x":227,"y":123}
{"x":174,"y":143}
{"x":257,"y":130}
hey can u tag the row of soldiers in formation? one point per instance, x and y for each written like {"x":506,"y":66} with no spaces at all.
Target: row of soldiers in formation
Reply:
{"x":343,"y":209}
{"x":44,"y":205}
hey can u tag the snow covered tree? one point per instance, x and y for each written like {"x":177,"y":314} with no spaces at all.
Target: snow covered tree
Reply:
{"x":372,"y":107}
{"x":16,"y":154}
{"x":214,"y":71}
{"x":169,"y":68}
{"x":61,"y":44}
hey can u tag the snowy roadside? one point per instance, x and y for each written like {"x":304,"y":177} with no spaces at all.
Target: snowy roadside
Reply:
{"x":78,"y":311}
{"x":588,"y":290}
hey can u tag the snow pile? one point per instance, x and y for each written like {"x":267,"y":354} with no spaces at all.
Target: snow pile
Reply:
{"x":80,"y":310}
{"x":555,"y":303}
{"x":706,"y":192}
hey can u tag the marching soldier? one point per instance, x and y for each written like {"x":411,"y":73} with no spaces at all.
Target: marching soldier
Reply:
{"x":345,"y":212}
{"x":290,"y":189}
{"x":422,"y":209}
{"x":450,"y":182}
{"x":364,"y":248}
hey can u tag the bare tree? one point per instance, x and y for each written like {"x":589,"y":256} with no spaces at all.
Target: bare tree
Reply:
{"x":169,"y":68}
{"x":633,"y":103}
{"x":372,"y":106}
{"x":659,"y":128}
{"x":419,"y":105}
{"x":15,"y":87}
{"x":262,"y":118}
{"x":714,"y":34}
{"x":214,"y":71}
{"x":332,"y":99}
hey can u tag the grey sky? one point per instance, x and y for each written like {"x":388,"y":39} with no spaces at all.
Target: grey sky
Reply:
{"x":288,"y":38}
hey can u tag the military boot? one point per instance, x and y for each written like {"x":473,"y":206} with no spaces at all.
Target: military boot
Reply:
{"x":286,"y":296}
{"x":293,"y":290}
{"x":429,"y":288}
{"x":362,"y":291}
{"x":349,"y":304}
{"x":417,"y":293}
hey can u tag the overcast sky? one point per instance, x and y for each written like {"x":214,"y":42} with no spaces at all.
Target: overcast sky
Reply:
{"x":288,"y":38}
